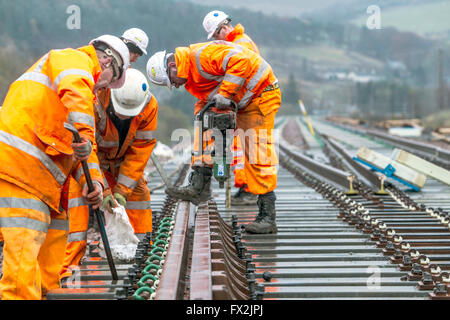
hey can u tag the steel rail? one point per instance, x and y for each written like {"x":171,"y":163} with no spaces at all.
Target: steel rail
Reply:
{"x":333,"y":175}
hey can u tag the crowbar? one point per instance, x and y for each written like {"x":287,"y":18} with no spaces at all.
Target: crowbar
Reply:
{"x":97,"y":212}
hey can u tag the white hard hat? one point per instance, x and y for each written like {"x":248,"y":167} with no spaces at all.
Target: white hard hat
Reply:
{"x":132,"y":96}
{"x":212,"y":20}
{"x":120,"y":53}
{"x":157,"y":69}
{"x":137,"y":37}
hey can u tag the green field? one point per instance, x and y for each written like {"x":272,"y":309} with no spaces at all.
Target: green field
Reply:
{"x":421,"y":18}
{"x":283,"y":60}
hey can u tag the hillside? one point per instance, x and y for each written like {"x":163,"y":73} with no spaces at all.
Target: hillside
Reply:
{"x":327,"y":55}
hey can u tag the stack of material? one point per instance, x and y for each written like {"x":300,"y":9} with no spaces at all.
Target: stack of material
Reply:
{"x":391,"y":168}
{"x":441,"y":134}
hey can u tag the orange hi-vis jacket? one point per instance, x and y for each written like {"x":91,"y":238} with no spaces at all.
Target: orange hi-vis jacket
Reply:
{"x":123,"y":172}
{"x":35,"y":148}
{"x":127,"y":164}
{"x":223,"y":67}
{"x":238,"y":36}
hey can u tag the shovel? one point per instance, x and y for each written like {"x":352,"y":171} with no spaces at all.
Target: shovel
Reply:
{"x":97,"y":213}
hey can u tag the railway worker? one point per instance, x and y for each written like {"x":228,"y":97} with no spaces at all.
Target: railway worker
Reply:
{"x":38,"y":156}
{"x":125,"y":121}
{"x":137,"y":41}
{"x":217,"y":25}
{"x":224,"y":72}
{"x":125,"y":136}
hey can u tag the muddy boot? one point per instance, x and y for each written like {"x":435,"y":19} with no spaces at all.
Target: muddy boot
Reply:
{"x":265,"y":220}
{"x":243,"y":198}
{"x":198,"y":189}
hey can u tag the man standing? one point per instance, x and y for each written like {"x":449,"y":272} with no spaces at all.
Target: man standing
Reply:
{"x":125,"y":122}
{"x":37,"y":158}
{"x":217,"y":25}
{"x":223,"y":72}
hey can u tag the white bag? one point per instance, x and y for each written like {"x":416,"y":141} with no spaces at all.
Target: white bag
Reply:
{"x":122,"y":240}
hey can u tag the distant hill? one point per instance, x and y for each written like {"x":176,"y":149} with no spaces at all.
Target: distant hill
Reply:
{"x":299,"y":37}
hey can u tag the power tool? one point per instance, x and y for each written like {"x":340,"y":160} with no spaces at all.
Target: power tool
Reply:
{"x":222,"y":122}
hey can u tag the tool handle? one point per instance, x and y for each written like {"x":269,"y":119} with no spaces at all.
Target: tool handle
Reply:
{"x":84,"y":164}
{"x":211,"y":104}
{"x":160,"y":170}
{"x":97,"y":213}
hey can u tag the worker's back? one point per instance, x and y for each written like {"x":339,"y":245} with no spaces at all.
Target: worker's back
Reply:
{"x":36,"y":147}
{"x":225,"y":68}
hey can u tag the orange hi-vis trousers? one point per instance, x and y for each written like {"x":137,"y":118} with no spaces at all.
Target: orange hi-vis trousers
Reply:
{"x":238,"y":163}
{"x":255,"y":127}
{"x":137,"y":207}
{"x":34,"y":241}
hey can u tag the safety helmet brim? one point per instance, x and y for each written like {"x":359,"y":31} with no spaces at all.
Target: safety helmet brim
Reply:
{"x":120,"y":48}
{"x":128,"y":112}
{"x":130,"y":99}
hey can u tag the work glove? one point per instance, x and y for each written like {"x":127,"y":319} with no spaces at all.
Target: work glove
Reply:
{"x":95,"y":197}
{"x":221,"y":102}
{"x":120,"y":199}
{"x":82,"y":150}
{"x":109,"y":203}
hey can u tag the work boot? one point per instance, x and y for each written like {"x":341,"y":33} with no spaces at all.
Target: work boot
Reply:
{"x":265,"y":220}
{"x":198,"y":189}
{"x":243,"y":198}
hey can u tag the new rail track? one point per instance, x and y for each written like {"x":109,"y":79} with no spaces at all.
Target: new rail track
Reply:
{"x":343,"y":233}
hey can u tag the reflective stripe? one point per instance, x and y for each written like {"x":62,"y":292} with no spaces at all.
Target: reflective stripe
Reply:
{"x":80,"y":172}
{"x":252,"y":84}
{"x":126,"y":181}
{"x":145,"y":135}
{"x":138,"y":205}
{"x":24,"y":203}
{"x":234,"y":79}
{"x":41,"y":64}
{"x":77,"y":202}
{"x":35,"y":152}
{"x":243,"y":40}
{"x":22,"y":222}
{"x":267,"y":171}
{"x":106,"y":144}
{"x":200,"y":70}
{"x":247,"y":40}
{"x":37,"y":77}
{"x":213,"y":93}
{"x":69,"y":72}
{"x":258,"y":75}
{"x":59,"y":224}
{"x":81,"y":117}
{"x":245,"y":99}
{"x":228,"y":56}
{"x":77,"y":236}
